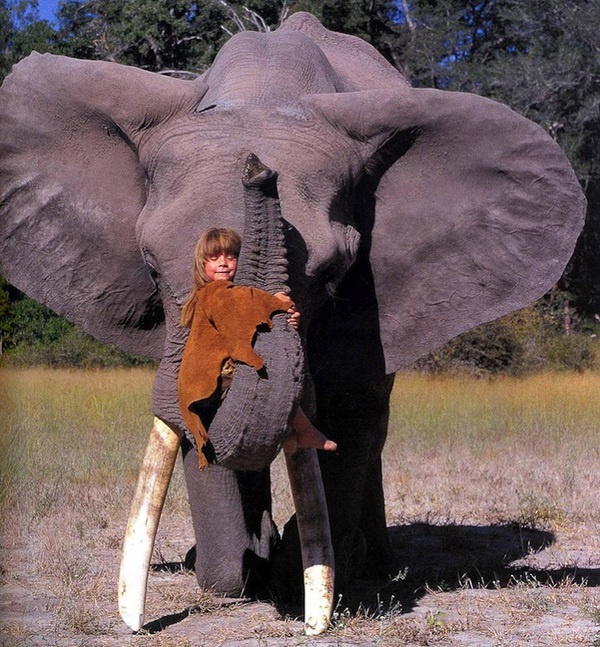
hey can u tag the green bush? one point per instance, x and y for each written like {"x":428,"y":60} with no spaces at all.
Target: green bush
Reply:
{"x":529,"y":340}
{"x":32,"y":334}
{"x":73,"y":349}
{"x":573,"y":352}
{"x":33,"y":323}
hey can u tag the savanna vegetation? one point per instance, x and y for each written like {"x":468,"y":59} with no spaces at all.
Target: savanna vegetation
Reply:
{"x":540,"y":57}
{"x":491,"y":502}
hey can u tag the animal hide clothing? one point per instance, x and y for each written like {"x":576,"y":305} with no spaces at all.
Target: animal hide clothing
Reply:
{"x":224,"y":325}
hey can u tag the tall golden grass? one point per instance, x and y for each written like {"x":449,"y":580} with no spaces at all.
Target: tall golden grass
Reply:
{"x":65,"y":432}
{"x":540,"y":434}
{"x":79,"y":424}
{"x":507,"y":449}
{"x":430,"y":409}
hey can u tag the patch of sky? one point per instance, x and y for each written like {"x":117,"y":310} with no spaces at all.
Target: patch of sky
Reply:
{"x":397,"y":12}
{"x":47,"y":10}
{"x":29,"y":11}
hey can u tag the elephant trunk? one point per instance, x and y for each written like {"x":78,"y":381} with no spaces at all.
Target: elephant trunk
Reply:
{"x":263,"y":261}
{"x":252,"y":422}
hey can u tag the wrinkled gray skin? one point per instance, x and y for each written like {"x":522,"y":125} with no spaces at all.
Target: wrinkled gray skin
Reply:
{"x":411,"y":216}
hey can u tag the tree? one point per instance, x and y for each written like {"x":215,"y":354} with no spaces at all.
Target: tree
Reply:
{"x":21,"y":32}
{"x":157,"y":35}
{"x":180,"y":35}
{"x":25,"y":321}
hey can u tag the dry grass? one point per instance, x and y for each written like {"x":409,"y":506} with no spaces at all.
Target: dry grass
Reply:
{"x":507,"y":450}
{"x":491,"y":497}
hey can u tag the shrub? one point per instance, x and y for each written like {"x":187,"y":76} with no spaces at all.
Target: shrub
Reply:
{"x":73,"y":349}
{"x":520,"y":343}
{"x":573,"y":352}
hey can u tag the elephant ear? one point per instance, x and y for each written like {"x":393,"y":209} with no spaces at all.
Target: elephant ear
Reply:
{"x":476,"y":213}
{"x":72,"y":188}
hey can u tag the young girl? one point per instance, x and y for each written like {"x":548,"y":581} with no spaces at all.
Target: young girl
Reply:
{"x":215,"y":266}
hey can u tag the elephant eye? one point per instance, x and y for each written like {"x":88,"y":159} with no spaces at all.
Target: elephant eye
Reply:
{"x":213,"y":105}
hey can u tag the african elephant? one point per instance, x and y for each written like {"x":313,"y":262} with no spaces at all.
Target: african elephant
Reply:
{"x":409,"y":216}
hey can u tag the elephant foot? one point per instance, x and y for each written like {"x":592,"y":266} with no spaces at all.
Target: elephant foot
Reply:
{"x":255,"y":582}
{"x":257,"y":575}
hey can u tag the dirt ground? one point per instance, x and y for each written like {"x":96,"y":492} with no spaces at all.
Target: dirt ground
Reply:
{"x":459,"y":585}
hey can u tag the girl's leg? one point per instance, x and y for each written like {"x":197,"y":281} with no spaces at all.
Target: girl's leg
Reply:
{"x":306,"y":435}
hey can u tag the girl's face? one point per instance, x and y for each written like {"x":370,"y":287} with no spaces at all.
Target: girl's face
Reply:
{"x":221,"y":267}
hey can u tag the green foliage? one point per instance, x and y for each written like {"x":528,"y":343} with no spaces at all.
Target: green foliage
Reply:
{"x":21,"y":32}
{"x":25,"y":322}
{"x":32,"y":334}
{"x":34,"y":324}
{"x":573,"y":352}
{"x":523,"y":342}
{"x":166,"y":35}
{"x":182,"y":35}
{"x":73,"y":349}
{"x":4,"y":309}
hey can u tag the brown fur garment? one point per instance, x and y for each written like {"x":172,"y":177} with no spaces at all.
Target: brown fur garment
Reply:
{"x":225,"y":321}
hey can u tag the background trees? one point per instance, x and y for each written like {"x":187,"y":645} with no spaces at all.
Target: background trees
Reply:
{"x":541,"y":57}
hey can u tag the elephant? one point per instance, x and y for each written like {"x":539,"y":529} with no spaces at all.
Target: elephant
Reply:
{"x":408,"y":216}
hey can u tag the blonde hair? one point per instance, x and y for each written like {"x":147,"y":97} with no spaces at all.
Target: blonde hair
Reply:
{"x":213,"y":242}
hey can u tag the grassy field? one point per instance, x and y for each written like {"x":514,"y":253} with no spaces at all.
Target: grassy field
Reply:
{"x":492,"y":501}
{"x":508,"y":450}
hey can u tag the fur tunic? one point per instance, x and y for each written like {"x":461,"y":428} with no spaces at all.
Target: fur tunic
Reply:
{"x":224,"y":325}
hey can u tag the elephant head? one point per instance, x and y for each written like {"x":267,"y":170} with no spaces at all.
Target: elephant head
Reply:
{"x":410,"y":216}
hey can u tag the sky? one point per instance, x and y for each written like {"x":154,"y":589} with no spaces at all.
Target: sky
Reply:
{"x":47,"y":9}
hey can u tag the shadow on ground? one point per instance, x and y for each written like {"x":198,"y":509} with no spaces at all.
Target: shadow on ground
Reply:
{"x":452,"y":557}
{"x":437,"y":557}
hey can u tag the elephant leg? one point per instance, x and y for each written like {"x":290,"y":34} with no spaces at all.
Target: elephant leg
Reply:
{"x":231,"y":514}
{"x":370,"y":499}
{"x":352,"y":397}
{"x":378,"y":551}
{"x":353,"y":483}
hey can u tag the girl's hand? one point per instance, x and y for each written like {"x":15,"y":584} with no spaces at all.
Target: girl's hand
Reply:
{"x":294,"y":316}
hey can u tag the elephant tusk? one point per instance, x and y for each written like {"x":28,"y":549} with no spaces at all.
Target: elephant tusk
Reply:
{"x":152,"y":486}
{"x":315,"y":539}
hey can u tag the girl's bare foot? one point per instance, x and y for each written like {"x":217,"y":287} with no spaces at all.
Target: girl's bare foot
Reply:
{"x":306,"y":435}
{"x":293,"y":442}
